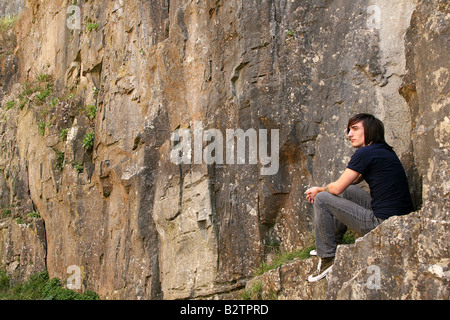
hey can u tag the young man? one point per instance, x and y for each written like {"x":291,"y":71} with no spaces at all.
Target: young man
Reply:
{"x":374,"y":161}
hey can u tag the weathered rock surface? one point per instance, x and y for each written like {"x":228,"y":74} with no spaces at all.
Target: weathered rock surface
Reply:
{"x":22,"y":247}
{"x":11,"y":7}
{"x":395,"y":261}
{"x":141,"y":227}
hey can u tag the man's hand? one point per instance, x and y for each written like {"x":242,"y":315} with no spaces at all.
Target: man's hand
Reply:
{"x":312,"y":192}
{"x":347,"y":178}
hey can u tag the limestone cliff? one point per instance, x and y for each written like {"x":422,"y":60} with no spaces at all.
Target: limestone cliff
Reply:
{"x":93,"y":91}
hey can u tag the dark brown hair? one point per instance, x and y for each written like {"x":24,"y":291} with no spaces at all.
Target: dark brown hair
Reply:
{"x":373,"y":128}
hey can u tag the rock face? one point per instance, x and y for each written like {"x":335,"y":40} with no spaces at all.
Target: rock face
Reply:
{"x":11,"y":7}
{"x":140,"y":226}
{"x":23,"y":247}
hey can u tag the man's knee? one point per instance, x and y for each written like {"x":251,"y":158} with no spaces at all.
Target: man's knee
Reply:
{"x":322,"y":197}
{"x":351,"y":190}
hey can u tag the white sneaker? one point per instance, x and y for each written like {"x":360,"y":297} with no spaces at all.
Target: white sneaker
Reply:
{"x":324,"y":266}
{"x":313,"y":252}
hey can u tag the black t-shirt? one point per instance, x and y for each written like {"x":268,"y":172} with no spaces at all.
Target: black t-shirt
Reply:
{"x":383,"y":171}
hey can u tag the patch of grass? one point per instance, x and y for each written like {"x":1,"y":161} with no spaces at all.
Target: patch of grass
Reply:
{"x":10,"y":104}
{"x":42,"y":85}
{"x":42,"y":95}
{"x":255,"y":292}
{"x":40,"y":287}
{"x":54,"y":102}
{"x":23,"y":102}
{"x":7,"y":23}
{"x":282,"y":259}
{"x":41,"y":127}
{"x":4,"y":281}
{"x":5,"y":213}
{"x":28,"y":90}
{"x":349,"y":237}
{"x":43,"y":77}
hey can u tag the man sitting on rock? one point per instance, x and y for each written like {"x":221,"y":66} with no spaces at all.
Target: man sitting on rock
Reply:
{"x":377,"y":163}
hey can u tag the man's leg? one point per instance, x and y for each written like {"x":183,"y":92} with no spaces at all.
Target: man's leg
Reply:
{"x":329,"y":208}
{"x":358,"y":196}
{"x":331,"y":215}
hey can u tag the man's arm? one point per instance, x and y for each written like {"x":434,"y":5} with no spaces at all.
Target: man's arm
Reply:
{"x":348,"y":177}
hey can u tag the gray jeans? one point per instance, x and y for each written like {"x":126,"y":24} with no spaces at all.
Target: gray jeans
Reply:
{"x":333,"y":214}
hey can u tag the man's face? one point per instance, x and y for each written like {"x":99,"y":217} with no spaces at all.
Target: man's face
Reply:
{"x":356,"y":135}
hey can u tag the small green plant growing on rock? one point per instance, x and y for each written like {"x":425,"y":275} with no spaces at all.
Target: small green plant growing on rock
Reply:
{"x":59,"y":159}
{"x":78,"y":166}
{"x":5,"y":213}
{"x":41,"y":127}
{"x":42,"y":95}
{"x":34,"y":214}
{"x":92,"y":26}
{"x":63,"y":134}
{"x":54,"y":102}
{"x":91,"y":111}
{"x":43,"y":77}
{"x":10,"y":104}
{"x":88,"y":141}
{"x":23,"y":102}
{"x":42,"y":85}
